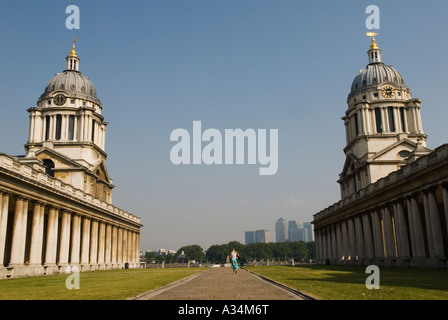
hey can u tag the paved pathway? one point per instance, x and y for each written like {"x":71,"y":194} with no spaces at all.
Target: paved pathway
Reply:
{"x":220,"y":284}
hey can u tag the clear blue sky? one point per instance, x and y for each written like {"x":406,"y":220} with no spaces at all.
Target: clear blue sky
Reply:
{"x":160,"y":65}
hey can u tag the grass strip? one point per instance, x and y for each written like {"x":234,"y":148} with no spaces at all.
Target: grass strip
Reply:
{"x":95,"y":285}
{"x":349,"y":282}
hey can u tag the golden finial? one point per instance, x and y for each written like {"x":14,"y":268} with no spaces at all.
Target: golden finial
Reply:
{"x":73,"y":52}
{"x":372,"y":34}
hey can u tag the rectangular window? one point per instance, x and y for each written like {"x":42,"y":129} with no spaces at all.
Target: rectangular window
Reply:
{"x":71,"y":127}
{"x":378,"y":119}
{"x":390,"y":112}
{"x":356,"y":124}
{"x":403,"y":120}
{"x":93,"y":130}
{"x":47,"y":128}
{"x":58,"y":126}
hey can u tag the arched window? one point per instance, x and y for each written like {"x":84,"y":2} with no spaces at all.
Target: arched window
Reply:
{"x":49,"y":167}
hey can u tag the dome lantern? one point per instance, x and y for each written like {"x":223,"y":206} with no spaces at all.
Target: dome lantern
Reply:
{"x":72,"y":59}
{"x":374,"y":51}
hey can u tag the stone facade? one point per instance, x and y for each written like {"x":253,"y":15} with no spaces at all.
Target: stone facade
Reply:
{"x":56,"y":201}
{"x":400,"y":220}
{"x":394,"y":196}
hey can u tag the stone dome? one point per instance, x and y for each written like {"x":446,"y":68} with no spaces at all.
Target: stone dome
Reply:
{"x":74,"y":83}
{"x":373,"y":75}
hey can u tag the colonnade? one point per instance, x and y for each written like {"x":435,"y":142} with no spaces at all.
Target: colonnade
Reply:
{"x":40,"y":238}
{"x":409,"y":231}
{"x":64,"y":126}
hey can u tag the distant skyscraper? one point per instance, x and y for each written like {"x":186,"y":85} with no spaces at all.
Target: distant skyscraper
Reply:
{"x":281,"y":230}
{"x":262,"y":236}
{"x":310,"y":236}
{"x":295,"y":231}
{"x":250,"y":237}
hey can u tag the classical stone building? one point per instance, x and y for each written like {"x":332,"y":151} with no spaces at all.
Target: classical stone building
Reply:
{"x":56,"y":201}
{"x":394,"y":191}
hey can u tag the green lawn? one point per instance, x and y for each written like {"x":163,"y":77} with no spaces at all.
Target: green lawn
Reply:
{"x":95,"y":285}
{"x":322,"y":282}
{"x":349,"y":282}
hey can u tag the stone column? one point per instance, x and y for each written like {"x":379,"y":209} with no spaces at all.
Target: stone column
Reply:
{"x":52,"y":238}
{"x":428,"y":223}
{"x":108,"y":245}
{"x":37,"y":234}
{"x":445,"y":203}
{"x":125,"y":246}
{"x":64,"y":245}
{"x":377,"y":235}
{"x":359,"y":240}
{"x":94,"y":244}
{"x":337,"y":227}
{"x":329,"y":253}
{"x":345,"y":241}
{"x":352,"y":239}
{"x":416,"y":229}
{"x":76,"y":240}
{"x":4,"y":205}
{"x":101,"y":244}
{"x":411,"y":225}
{"x":120,"y":247}
{"x":114,"y":246}
{"x":368,"y":238}
{"x":85,"y":247}
{"x":436,"y":230}
{"x":137,"y":241}
{"x":135,"y":249}
{"x":130,"y":258}
{"x":402,"y":234}
{"x":389,"y":240}
{"x":321,"y":257}
{"x":19,"y":232}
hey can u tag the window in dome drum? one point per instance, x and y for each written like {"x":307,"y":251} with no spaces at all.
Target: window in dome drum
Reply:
{"x":379,"y":125}
{"x":71,"y":127}
{"x":403,"y":120}
{"x":93,"y":130}
{"x":47,"y":128}
{"x":390,"y":111}
{"x":58,"y":126}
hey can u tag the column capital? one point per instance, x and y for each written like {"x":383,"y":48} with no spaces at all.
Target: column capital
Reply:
{"x":430,"y":189}
{"x":23,"y":198}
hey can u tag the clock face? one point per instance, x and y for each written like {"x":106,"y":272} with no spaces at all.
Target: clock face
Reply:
{"x":59,"y":100}
{"x":388,"y":92}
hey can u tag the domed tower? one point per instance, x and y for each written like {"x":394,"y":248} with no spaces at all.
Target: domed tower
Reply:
{"x":383,"y":125}
{"x":67,"y":132}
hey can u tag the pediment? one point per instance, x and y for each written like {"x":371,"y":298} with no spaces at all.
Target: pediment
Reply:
{"x":60,"y":161}
{"x":351,"y":163}
{"x":101,"y":172}
{"x":397,"y":151}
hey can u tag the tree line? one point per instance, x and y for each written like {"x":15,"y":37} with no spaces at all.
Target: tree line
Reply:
{"x":281,"y":251}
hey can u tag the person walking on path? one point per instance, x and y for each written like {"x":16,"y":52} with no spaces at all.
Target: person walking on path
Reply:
{"x":233,"y":260}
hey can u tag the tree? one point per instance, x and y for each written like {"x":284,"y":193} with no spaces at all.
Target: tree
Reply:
{"x":150,"y":257}
{"x":193,"y":252}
